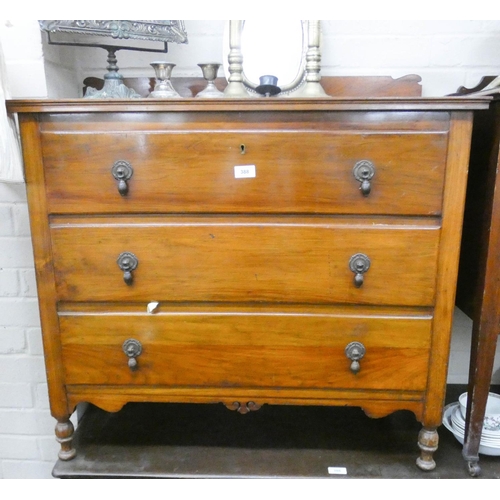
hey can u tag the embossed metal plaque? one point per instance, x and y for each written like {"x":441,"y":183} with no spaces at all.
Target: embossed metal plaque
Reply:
{"x":158,"y":31}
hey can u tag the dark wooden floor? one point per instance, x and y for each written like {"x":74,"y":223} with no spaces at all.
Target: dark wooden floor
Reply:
{"x":209,"y":441}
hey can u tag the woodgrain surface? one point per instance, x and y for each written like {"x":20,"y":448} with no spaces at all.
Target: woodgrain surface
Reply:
{"x":257,"y":301}
{"x":240,"y":259}
{"x":70,"y":107}
{"x":453,"y":209}
{"x":44,"y":268}
{"x":302,"y":170}
{"x":241,"y":349}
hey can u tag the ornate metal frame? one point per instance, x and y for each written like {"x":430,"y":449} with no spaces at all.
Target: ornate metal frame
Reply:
{"x":159,"y":31}
{"x":155,"y":31}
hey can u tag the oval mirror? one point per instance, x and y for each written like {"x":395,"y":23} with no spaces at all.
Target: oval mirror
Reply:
{"x":271,"y":47}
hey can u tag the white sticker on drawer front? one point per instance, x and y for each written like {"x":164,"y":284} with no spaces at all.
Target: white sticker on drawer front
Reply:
{"x":337,"y":470}
{"x":244,"y":171}
{"x":152,"y":307}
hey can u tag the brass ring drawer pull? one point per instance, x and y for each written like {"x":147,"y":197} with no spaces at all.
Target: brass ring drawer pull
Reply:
{"x":127,"y":262}
{"x":355,"y":351}
{"x":363,"y":172}
{"x":132,"y":348}
{"x":122,"y":171}
{"x":359,"y":263}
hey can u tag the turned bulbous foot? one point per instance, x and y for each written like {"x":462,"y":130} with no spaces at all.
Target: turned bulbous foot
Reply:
{"x":428,"y":443}
{"x":64,"y":436}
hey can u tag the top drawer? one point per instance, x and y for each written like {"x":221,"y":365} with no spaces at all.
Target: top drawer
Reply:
{"x":296,"y":171}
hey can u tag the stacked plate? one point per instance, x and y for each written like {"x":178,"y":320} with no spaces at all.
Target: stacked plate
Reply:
{"x":453,"y":420}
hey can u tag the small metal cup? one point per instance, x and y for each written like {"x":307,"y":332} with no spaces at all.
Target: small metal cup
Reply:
{"x":210,"y":71}
{"x":163,"y":88}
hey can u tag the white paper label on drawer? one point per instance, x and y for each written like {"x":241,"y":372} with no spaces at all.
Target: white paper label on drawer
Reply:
{"x":152,"y":307}
{"x":337,"y":470}
{"x":244,"y":171}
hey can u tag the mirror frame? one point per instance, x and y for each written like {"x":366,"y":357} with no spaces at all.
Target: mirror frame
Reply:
{"x":307,"y":82}
{"x":299,"y":78}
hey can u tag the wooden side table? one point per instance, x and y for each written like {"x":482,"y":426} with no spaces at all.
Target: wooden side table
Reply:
{"x":478,"y":292}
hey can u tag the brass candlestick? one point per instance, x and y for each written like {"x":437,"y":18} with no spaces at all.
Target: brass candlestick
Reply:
{"x":163,"y":88}
{"x":210,"y":74}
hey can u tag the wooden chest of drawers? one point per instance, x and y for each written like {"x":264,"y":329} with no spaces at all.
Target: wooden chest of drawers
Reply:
{"x":266,"y":251}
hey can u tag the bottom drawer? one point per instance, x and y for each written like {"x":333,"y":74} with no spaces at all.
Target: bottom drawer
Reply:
{"x":247,"y":349}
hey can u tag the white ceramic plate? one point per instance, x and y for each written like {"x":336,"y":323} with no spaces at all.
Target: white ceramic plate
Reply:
{"x":483,"y":449}
{"x":458,"y":423}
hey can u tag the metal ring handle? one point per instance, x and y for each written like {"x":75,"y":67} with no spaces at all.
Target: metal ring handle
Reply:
{"x":359,"y":263}
{"x":355,"y":351}
{"x":363,"y":172}
{"x":132,"y":348}
{"x":122,"y":171}
{"x":127,"y":262}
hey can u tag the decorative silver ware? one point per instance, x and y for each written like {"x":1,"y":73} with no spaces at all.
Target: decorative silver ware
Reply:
{"x":235,"y":87}
{"x":160,"y":31}
{"x":113,"y":88}
{"x":312,"y":86}
{"x":210,"y":71}
{"x":155,"y":31}
{"x":163,"y":88}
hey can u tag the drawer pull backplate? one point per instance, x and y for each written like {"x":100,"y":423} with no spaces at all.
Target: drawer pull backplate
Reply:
{"x":132,"y":348}
{"x":363,"y":172}
{"x":122,"y":171}
{"x":355,"y":351}
{"x":127,"y":262}
{"x":359,"y":263}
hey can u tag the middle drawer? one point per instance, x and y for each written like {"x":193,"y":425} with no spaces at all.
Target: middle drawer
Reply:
{"x":295,"y":260}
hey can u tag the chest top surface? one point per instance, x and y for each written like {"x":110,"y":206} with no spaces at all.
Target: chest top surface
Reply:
{"x":268,"y":104}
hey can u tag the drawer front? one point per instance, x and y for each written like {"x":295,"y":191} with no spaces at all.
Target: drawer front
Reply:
{"x":234,"y":349}
{"x":246,"y":260}
{"x":295,"y":172}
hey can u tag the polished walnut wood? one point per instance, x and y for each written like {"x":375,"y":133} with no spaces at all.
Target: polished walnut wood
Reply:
{"x":266,"y":348}
{"x":174,"y":163}
{"x":301,"y":285}
{"x":237,"y":259}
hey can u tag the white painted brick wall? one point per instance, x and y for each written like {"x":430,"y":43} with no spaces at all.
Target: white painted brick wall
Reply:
{"x":446,"y":54}
{"x":16,"y":395}
{"x":25,"y":421}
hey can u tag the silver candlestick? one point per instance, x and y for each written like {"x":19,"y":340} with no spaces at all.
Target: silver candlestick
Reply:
{"x":235,"y":87}
{"x":312,"y":86}
{"x":163,"y":88}
{"x":210,"y":74}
